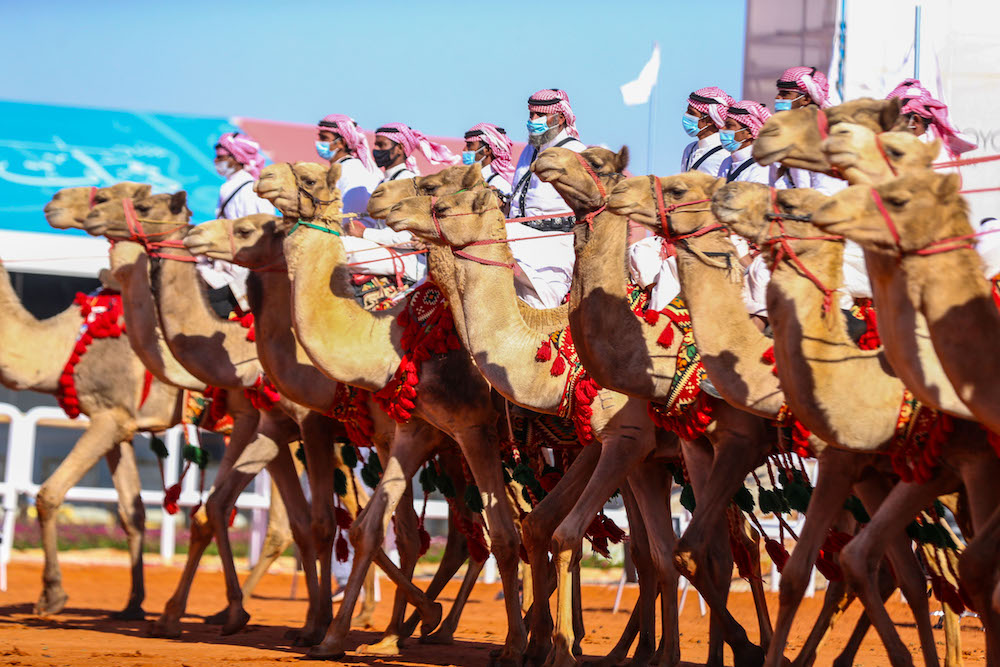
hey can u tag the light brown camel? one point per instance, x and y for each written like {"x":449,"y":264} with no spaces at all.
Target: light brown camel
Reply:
{"x":109,"y":382}
{"x":365,"y":349}
{"x":546,"y":517}
{"x":733,"y":354}
{"x":219,"y":354}
{"x":794,"y":138}
{"x":254,"y":242}
{"x":129,"y":270}
{"x":816,"y":361}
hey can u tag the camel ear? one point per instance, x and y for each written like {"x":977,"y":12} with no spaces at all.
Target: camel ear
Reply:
{"x":472,"y":176}
{"x":484,"y":200}
{"x":333,"y":175}
{"x":142,"y":191}
{"x":622,"y":160}
{"x":178,"y":201}
{"x":890,"y":113}
{"x":948,"y":186}
{"x":932,"y":150}
{"x":714,"y":186}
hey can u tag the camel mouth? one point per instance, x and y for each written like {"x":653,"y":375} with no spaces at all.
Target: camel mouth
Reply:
{"x":765,"y":158}
{"x":547,"y":173}
{"x":95,"y":227}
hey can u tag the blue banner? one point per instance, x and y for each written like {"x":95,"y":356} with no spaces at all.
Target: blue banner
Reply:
{"x":45,"y":148}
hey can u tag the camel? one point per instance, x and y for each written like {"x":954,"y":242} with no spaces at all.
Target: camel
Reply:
{"x":364,"y":350}
{"x":108,"y":382}
{"x":733,"y":355}
{"x":226,"y":358}
{"x":254,"y":242}
{"x":794,"y":138}
{"x":815,"y":358}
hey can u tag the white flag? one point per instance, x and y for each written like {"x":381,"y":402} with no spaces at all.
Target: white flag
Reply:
{"x":637,"y":92}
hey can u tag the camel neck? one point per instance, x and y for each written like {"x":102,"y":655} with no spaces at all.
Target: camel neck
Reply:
{"x":34,"y":351}
{"x":495,"y":332}
{"x":962,"y":318}
{"x":214,"y":350}
{"x":283,"y":359}
{"x":618,"y":349}
{"x":820,"y":366}
{"x":130,"y":265}
{"x":343,"y":339}
{"x":731,"y":347}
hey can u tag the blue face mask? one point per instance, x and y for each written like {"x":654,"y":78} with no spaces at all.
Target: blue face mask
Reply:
{"x":782,"y":105}
{"x":468,"y":157}
{"x":323,"y":150}
{"x":690,"y":124}
{"x":538,"y":126}
{"x":728,"y":140}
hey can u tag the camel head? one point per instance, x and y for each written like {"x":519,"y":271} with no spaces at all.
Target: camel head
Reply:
{"x":70,"y":206}
{"x":636,"y":198}
{"x":864,"y":156}
{"x":572,"y":174}
{"x":254,"y":241}
{"x":758,"y":213}
{"x":304,"y":190}
{"x":463,"y":218}
{"x":445,"y":182}
{"x":924,"y":207}
{"x":794,"y":137}
{"x":157,"y":217}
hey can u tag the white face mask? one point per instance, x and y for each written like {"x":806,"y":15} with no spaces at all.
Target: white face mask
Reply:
{"x":225,"y":169}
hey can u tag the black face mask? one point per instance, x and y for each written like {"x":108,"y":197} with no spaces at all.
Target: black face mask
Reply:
{"x":383,"y":158}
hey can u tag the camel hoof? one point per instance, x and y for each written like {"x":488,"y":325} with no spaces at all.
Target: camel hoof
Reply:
{"x":387,"y":646}
{"x":218,"y":618}
{"x":362,"y":620}
{"x":440,"y":638}
{"x":750,"y":655}
{"x":234,"y":625}
{"x":51,"y":601}
{"x":129,"y":613}
{"x":319,"y":652}
{"x":500,"y":657}
{"x":560,"y":657}
{"x":166,"y":628}
{"x":309,"y":636}
{"x":432,"y":619}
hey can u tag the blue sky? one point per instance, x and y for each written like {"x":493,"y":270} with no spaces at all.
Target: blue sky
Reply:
{"x":440,"y":67}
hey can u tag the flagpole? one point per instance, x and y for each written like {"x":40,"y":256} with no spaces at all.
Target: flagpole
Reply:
{"x":650,"y":131}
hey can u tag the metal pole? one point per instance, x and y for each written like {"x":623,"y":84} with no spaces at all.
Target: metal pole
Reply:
{"x":650,"y":131}
{"x":916,"y":42}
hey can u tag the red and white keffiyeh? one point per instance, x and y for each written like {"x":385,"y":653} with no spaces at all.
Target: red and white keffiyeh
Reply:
{"x":809,"y":81}
{"x":552,"y":100}
{"x":713,"y":101}
{"x":411,"y":140}
{"x":500,"y":144}
{"x":245,"y":150}
{"x":751,"y":115}
{"x":936,"y":112}
{"x":354,"y":137}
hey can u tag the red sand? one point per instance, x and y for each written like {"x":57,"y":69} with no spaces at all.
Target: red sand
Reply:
{"x":83,"y":635}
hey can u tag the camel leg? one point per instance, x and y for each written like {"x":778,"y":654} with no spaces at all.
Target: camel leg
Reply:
{"x":413,"y":444}
{"x":103,"y":434}
{"x":408,"y":547}
{"x":651,"y":485}
{"x":952,"y":638}
{"x":836,"y":473}
{"x":626,"y":441}
{"x":885,"y":533}
{"x":642,"y":621}
{"x":480,"y":445}
{"x":750,"y":539}
{"x":169,"y":622}
{"x":536,"y":534}
{"x":132,"y":515}
{"x":445,"y":634}
{"x":276,"y":541}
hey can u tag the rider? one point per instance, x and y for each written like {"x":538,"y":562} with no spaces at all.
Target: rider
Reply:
{"x":238,"y":159}
{"x":545,"y":266}
{"x":395,"y":145}
{"x":923,"y":112}
{"x":490,"y":146}
{"x":801,"y":87}
{"x":705,"y":116}
{"x":342,"y":142}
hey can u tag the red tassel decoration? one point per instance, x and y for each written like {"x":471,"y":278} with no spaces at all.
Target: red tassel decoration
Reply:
{"x":558,"y":367}
{"x":666,"y":338}
{"x":778,"y":553}
{"x":342,"y":552}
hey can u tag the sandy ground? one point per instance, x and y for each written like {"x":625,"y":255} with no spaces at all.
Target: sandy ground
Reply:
{"x":83,"y":634}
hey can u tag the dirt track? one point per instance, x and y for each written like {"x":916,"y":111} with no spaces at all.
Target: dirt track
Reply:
{"x":83,"y":635}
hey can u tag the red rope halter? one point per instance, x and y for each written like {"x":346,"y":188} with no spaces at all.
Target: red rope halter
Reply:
{"x":962,"y":242}
{"x":664,"y":212}
{"x":589,"y":218}
{"x":153,"y":248}
{"x":459,"y":250}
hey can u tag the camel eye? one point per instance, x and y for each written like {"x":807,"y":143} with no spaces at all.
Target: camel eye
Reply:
{"x":893,"y":153}
{"x":308,"y":181}
{"x":677,"y":191}
{"x":897,"y":201}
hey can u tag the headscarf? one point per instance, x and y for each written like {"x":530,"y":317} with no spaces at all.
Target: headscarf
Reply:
{"x":552,"y":100}
{"x":713,"y":101}
{"x":808,"y":81}
{"x":354,"y":138}
{"x":937,"y":114}
{"x":245,"y":150}
{"x":411,"y":140}
{"x":752,"y":115}
{"x":908,"y":88}
{"x":496,"y":138}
